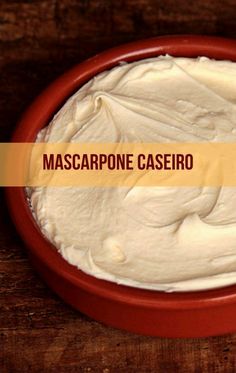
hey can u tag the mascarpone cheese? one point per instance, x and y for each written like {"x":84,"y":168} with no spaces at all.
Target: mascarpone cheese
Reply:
{"x":163,"y":238}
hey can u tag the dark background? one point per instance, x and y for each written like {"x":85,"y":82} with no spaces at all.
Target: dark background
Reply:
{"x":38,"y":41}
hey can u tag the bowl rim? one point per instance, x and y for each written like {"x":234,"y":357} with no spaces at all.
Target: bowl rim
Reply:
{"x":39,"y":114}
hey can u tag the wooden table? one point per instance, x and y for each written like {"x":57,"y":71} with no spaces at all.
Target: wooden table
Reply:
{"x":38,"y":332}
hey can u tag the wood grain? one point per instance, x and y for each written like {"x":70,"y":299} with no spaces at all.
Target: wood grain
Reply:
{"x":38,"y":332}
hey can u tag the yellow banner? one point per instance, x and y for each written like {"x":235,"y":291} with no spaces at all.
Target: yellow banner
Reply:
{"x":115,"y":164}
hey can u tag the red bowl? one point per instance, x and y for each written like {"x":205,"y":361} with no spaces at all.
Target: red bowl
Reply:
{"x":192,"y":314}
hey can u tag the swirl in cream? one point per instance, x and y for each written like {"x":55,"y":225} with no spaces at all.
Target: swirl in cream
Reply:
{"x":163,"y":238}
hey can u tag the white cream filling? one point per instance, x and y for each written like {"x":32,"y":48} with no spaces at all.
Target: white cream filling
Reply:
{"x":163,"y":238}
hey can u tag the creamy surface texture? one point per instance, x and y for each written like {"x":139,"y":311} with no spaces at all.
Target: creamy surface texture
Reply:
{"x":163,"y":238}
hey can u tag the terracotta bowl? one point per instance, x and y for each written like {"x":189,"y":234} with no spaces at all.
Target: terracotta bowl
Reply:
{"x":192,"y":314}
